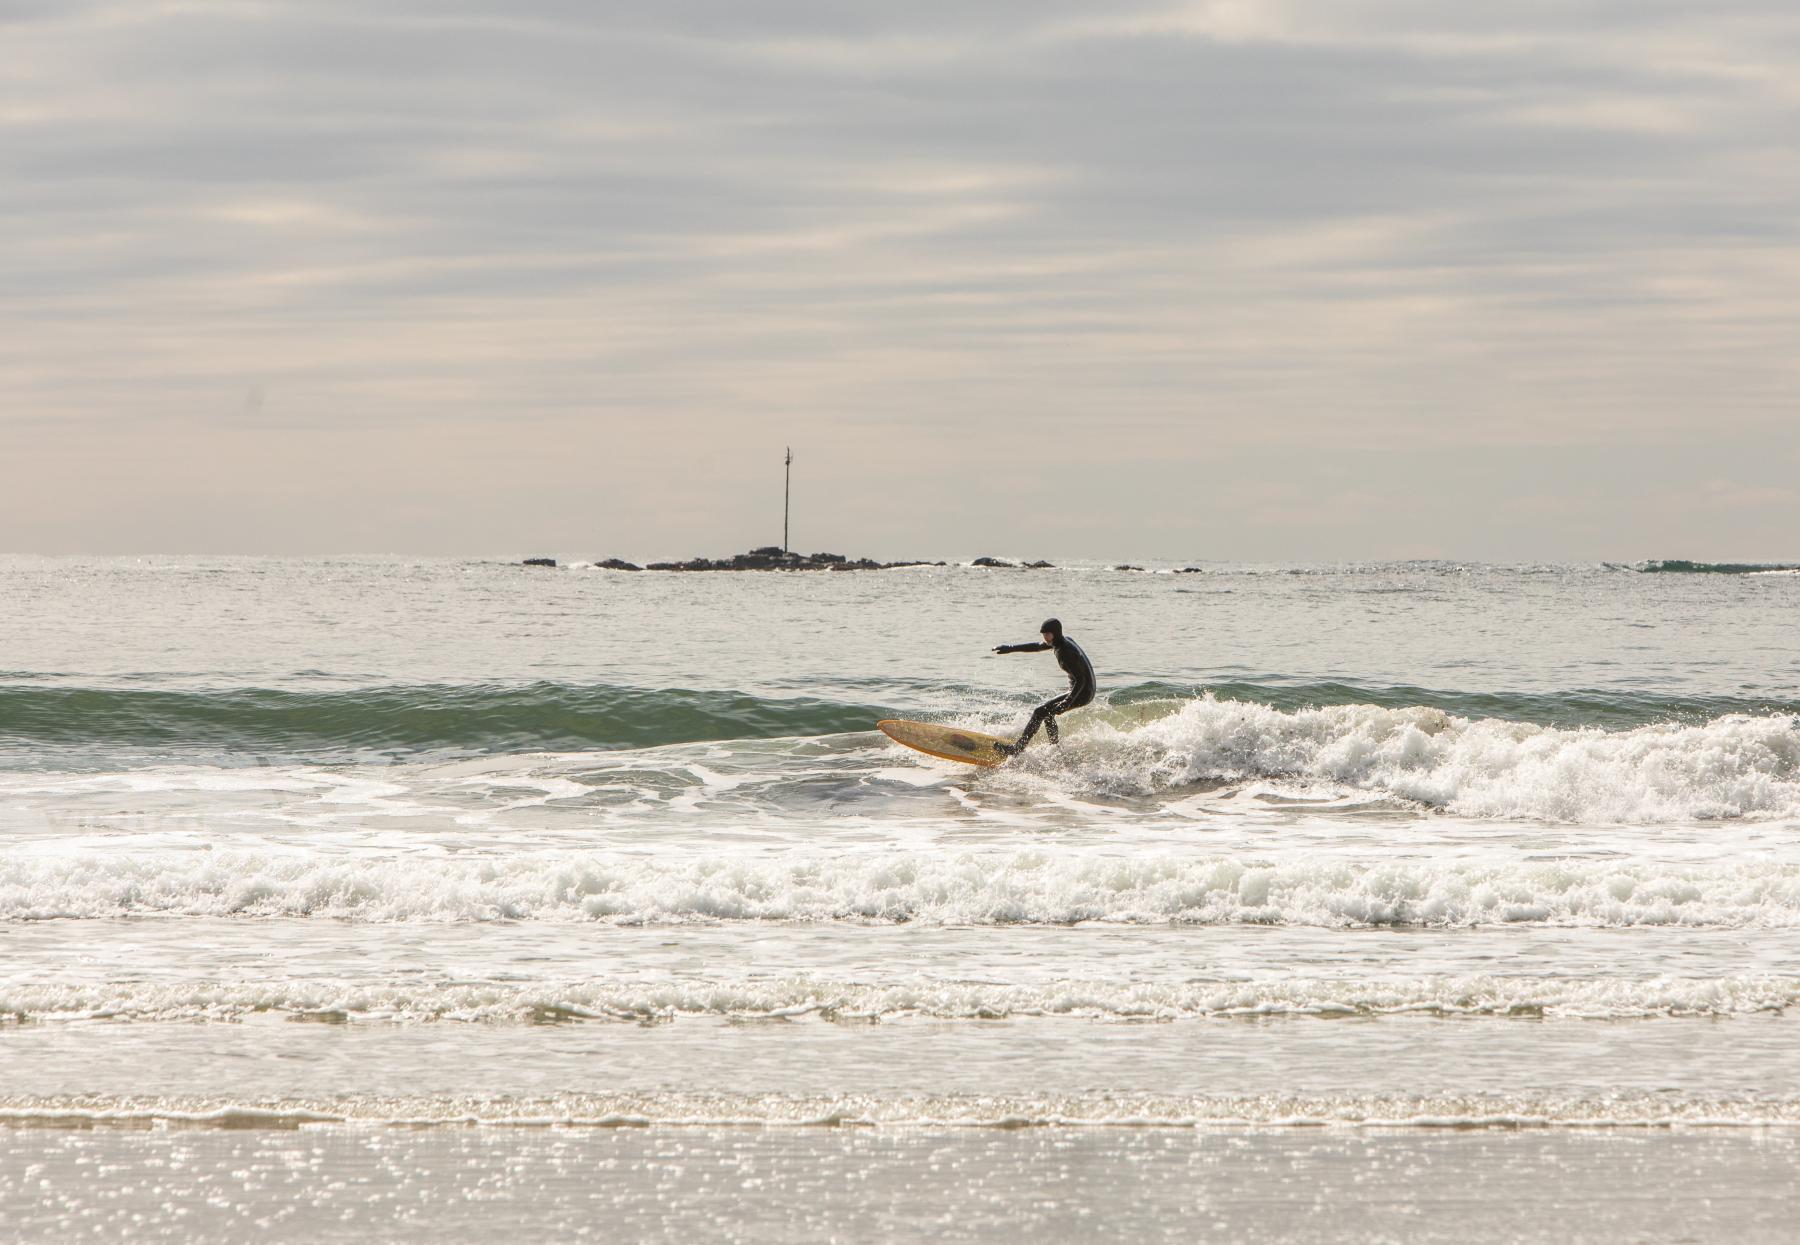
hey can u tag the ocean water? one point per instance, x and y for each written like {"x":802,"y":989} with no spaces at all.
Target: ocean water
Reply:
{"x":460,"y":884}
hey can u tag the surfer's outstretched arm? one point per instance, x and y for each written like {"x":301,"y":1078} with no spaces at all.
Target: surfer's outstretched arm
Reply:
{"x":1039,"y":647}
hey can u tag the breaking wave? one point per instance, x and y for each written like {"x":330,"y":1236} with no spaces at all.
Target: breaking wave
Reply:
{"x":415,"y":1001}
{"x":933,"y":888}
{"x":1624,"y":760}
{"x":1739,"y":765}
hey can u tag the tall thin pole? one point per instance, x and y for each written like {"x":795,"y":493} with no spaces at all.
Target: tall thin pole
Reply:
{"x":787,"y":489}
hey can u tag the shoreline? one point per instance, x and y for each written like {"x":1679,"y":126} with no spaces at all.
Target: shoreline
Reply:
{"x":1592,"y":1111}
{"x":1297,"y":1187}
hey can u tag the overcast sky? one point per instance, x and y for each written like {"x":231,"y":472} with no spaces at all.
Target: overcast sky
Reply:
{"x":1235,"y":280}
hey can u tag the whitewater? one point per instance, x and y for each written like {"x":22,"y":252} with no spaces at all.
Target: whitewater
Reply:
{"x":1406,"y":853}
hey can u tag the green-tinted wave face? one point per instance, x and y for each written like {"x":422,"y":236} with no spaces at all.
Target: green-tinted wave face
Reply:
{"x":61,"y":725}
{"x":403,"y":720}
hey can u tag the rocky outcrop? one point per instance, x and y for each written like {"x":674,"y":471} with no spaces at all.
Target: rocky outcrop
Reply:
{"x":1126,"y":566}
{"x":1682,"y":566}
{"x":772,"y":558}
{"x":1191,"y":570}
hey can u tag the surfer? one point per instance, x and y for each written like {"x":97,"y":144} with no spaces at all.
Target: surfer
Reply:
{"x":1075,"y":664}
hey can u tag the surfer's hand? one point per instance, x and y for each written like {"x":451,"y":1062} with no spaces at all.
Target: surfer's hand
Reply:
{"x":1003,"y":648}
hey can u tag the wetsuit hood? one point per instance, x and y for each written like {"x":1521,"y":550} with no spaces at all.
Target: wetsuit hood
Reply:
{"x":1053,"y":626}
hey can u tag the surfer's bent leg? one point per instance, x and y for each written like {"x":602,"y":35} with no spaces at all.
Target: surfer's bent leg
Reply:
{"x":1044,"y":713}
{"x":1060,"y":706}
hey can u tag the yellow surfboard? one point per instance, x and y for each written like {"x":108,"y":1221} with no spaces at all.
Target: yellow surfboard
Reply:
{"x":953,"y":743}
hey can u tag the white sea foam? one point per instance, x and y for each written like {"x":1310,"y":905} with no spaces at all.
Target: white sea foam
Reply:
{"x":1733,"y":766}
{"x":413,"y":1001}
{"x":937,"y":887}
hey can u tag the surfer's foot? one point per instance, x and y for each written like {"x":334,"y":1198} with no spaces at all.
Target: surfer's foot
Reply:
{"x":1009,"y":750}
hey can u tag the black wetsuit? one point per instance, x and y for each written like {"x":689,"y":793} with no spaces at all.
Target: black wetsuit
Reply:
{"x":1080,"y":670}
